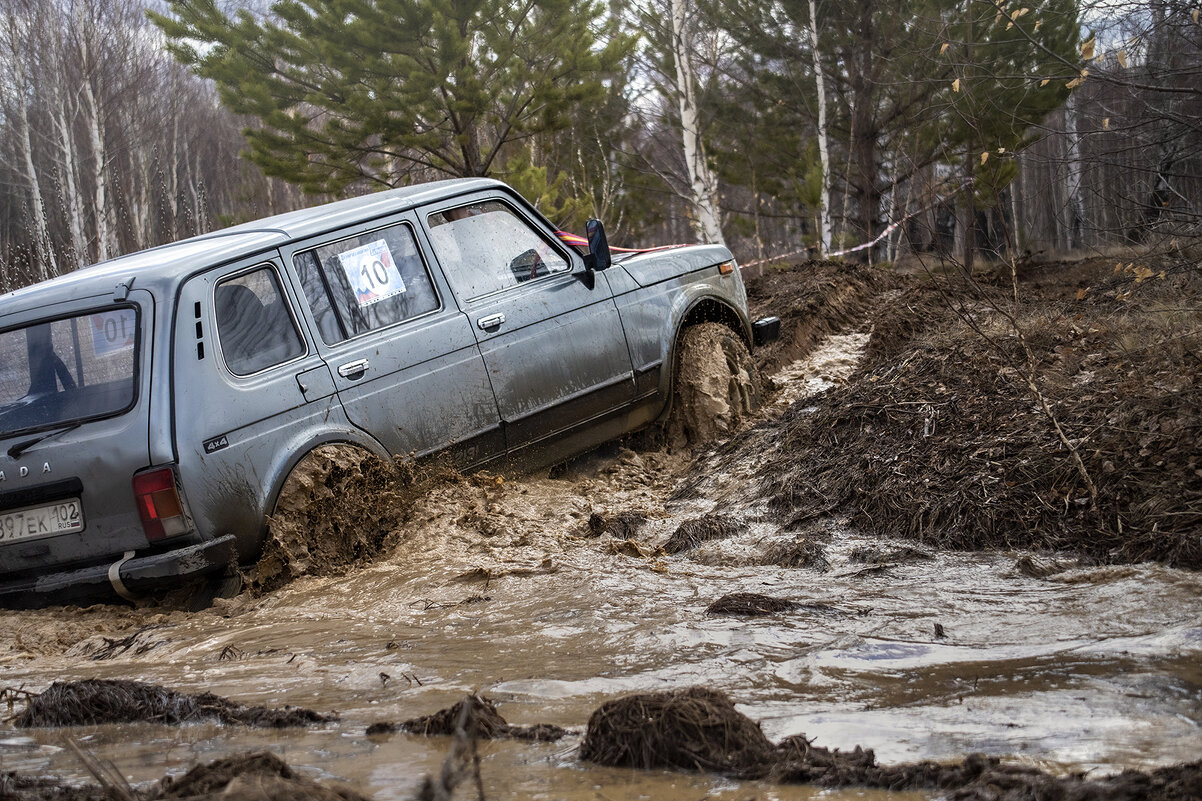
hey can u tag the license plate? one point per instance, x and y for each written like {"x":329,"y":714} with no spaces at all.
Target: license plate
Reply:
{"x":41,"y":521}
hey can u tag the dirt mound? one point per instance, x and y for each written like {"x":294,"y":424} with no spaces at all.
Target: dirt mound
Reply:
{"x":941,"y":438}
{"x":812,"y":299}
{"x":93,"y":701}
{"x":259,"y":776}
{"x":477,"y":716}
{"x":699,"y":729}
{"x":693,"y":729}
{"x":691,"y":533}
{"x":749,"y":604}
{"x":339,"y":508}
{"x":622,"y":525}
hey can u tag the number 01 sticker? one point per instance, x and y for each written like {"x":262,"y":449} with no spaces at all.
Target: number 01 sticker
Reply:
{"x":372,"y":272}
{"x":113,"y":332}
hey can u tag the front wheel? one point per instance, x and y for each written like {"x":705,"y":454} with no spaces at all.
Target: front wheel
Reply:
{"x":716,"y":386}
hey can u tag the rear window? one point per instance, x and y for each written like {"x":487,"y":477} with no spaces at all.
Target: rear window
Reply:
{"x":68,"y":370}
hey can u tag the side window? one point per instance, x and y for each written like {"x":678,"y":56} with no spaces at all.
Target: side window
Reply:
{"x":486,"y":247}
{"x":366,"y":282}
{"x":253,"y":324}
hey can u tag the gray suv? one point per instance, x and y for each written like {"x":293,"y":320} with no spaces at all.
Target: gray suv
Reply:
{"x":152,"y":407}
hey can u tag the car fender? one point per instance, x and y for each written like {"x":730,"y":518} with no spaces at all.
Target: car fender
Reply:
{"x":246,"y":501}
{"x":697,"y":304}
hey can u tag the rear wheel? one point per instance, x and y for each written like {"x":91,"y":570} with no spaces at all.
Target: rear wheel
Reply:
{"x":717,"y":385}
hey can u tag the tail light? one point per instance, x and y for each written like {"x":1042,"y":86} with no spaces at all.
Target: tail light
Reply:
{"x":159,"y":504}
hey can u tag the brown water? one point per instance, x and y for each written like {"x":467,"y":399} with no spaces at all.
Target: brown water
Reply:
{"x":497,"y":590}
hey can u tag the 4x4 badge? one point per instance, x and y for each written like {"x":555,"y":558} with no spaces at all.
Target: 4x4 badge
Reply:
{"x":216,"y":443}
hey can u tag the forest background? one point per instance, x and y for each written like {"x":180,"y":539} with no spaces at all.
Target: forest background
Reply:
{"x":959,"y":129}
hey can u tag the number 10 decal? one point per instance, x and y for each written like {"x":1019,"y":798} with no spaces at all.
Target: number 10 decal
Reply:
{"x":372,"y":272}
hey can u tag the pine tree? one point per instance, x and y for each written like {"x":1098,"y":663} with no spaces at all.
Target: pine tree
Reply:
{"x":372,"y":91}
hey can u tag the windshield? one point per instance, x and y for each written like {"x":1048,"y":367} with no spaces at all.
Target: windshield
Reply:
{"x":68,"y":370}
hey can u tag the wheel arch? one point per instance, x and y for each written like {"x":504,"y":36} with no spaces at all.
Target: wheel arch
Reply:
{"x":704,"y":309}
{"x":292,"y":455}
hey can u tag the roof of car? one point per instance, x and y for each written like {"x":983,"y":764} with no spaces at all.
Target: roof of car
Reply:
{"x":168,"y":263}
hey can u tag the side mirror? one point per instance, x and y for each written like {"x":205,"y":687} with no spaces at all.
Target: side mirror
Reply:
{"x":598,"y":257}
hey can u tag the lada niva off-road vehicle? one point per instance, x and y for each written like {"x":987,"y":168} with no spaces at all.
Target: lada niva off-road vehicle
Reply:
{"x":152,"y":407}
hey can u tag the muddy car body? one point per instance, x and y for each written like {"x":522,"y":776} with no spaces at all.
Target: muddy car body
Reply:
{"x":152,"y":407}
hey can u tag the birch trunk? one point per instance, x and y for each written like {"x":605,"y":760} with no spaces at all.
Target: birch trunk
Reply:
{"x":824,"y":223}
{"x":1072,"y":178}
{"x":100,"y":198}
{"x":76,"y":247}
{"x":20,"y":41}
{"x":703,"y":184}
{"x":43,"y":254}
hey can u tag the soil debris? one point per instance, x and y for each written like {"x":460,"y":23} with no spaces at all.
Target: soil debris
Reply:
{"x":478,"y":716}
{"x":749,"y":604}
{"x":691,"y":533}
{"x":622,"y":525}
{"x":95,"y":701}
{"x":700,"y":729}
{"x":951,"y":432}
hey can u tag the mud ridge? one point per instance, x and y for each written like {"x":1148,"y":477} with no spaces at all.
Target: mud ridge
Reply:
{"x":95,"y":701}
{"x":813,"y":299}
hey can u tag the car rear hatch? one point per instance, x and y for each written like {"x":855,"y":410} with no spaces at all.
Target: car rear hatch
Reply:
{"x":73,"y":431}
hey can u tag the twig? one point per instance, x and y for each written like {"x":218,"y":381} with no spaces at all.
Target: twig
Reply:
{"x":103,"y":771}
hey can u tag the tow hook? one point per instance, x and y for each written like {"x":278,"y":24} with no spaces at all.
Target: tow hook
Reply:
{"x":115,"y":578}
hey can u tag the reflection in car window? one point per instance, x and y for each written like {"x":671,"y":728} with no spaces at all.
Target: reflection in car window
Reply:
{"x":486,"y":247}
{"x":253,"y":324}
{"x":365,"y":282}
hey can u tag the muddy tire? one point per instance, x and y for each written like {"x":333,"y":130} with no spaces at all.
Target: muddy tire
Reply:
{"x":313,"y":528}
{"x":716,"y":386}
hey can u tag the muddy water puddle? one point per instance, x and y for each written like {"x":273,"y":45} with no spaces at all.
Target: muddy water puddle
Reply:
{"x":500,"y":589}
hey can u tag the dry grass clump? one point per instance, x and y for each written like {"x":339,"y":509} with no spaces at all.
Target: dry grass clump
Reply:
{"x":691,"y":533}
{"x":693,"y":729}
{"x":749,"y":604}
{"x":94,"y":701}
{"x":479,"y":718}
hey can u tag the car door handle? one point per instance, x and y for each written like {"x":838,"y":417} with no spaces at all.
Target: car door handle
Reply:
{"x":491,"y":321}
{"x":355,"y":368}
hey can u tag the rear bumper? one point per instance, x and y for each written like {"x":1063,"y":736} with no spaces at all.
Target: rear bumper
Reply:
{"x":135,"y":575}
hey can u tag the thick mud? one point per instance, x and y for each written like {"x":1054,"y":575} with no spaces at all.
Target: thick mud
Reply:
{"x":553,"y":594}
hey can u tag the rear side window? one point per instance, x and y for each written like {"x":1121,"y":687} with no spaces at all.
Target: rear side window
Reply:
{"x":64,"y":371}
{"x":366,"y":282}
{"x":254,"y":327}
{"x":486,"y":247}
